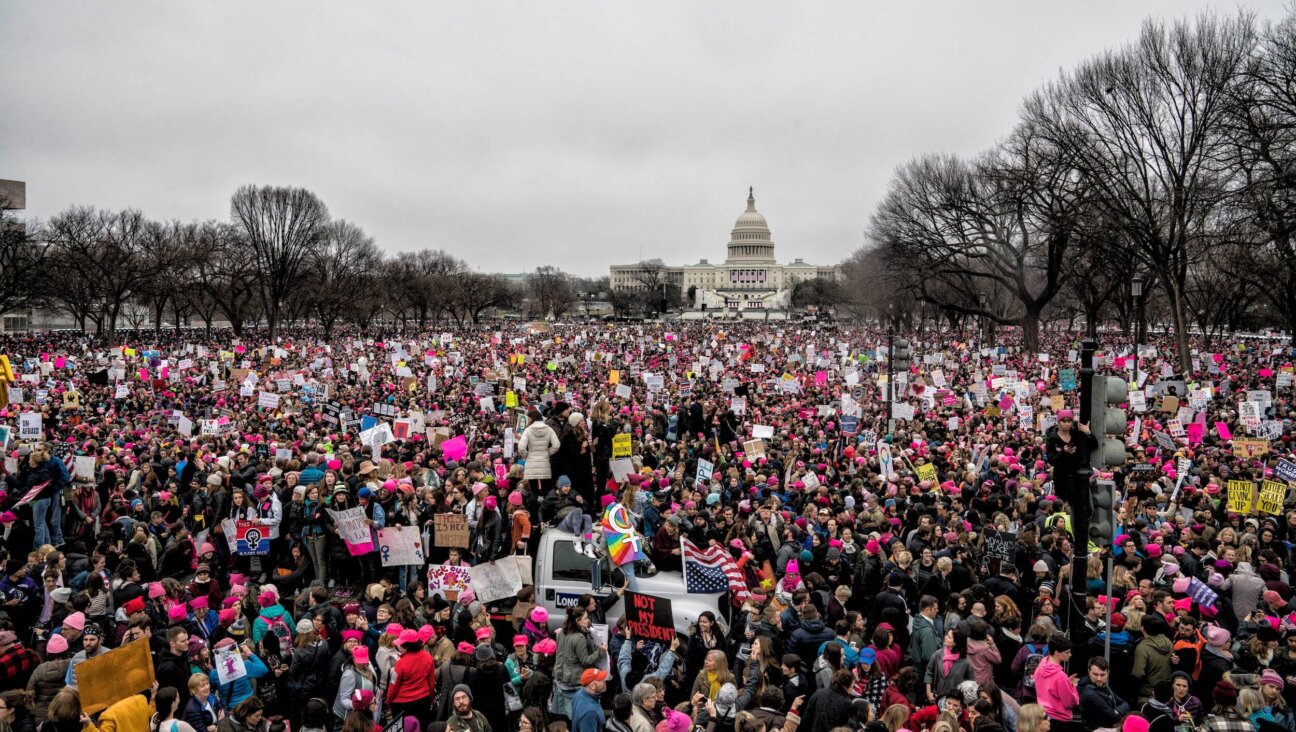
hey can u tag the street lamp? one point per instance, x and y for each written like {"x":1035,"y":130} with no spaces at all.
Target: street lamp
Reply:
{"x":1136,"y":292}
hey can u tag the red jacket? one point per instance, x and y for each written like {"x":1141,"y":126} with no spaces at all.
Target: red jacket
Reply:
{"x":414,"y":678}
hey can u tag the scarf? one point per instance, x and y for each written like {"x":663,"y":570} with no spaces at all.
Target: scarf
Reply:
{"x":713,"y":684}
{"x":948,"y":659}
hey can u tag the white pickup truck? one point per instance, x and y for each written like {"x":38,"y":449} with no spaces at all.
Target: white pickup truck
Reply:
{"x":562,"y":575}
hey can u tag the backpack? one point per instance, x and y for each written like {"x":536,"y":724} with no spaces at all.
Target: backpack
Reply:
{"x":1033,"y":661}
{"x":277,"y":626}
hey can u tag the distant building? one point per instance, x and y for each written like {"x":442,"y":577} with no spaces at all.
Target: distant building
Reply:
{"x":749,"y":281}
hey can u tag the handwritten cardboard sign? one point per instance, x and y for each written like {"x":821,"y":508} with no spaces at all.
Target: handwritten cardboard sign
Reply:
{"x":450,"y":530}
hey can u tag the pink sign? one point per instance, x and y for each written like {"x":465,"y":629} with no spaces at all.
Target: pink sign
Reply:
{"x":1223,"y":431}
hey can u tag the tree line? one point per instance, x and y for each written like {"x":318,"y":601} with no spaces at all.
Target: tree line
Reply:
{"x":1170,"y":160}
{"x":279,"y":258}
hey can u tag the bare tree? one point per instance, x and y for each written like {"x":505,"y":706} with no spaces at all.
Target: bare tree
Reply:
{"x":1145,"y":128}
{"x":957,"y":231}
{"x":22,"y":253}
{"x":281,"y":226}
{"x":551,"y":292}
{"x":333,"y":271}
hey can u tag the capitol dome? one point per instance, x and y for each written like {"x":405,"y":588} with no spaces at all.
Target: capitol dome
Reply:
{"x":750,"y":238}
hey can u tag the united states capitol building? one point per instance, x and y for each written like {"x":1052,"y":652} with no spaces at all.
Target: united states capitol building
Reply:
{"x":749,"y":283}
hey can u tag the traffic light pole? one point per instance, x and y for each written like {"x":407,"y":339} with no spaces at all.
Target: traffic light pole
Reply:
{"x":1078,"y":495}
{"x":890,"y":377}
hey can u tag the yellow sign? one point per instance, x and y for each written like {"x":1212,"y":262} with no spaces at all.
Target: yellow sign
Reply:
{"x":1241,"y":496}
{"x":1058,"y":401}
{"x":614,"y":377}
{"x":620,"y":446}
{"x":1249,"y":448}
{"x":510,"y":400}
{"x":1272,"y":495}
{"x":6,"y":370}
{"x":927,"y":471}
{"x":107,"y":679}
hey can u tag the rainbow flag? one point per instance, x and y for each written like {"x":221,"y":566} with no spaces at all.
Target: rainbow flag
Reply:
{"x":624,"y":544}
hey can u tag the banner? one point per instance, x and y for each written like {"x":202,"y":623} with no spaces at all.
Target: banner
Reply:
{"x":450,"y":529}
{"x":495,"y":580}
{"x":400,"y":545}
{"x":119,"y":673}
{"x":251,"y":537}
{"x":649,"y":617}
{"x":353,"y":527}
{"x":624,"y":544}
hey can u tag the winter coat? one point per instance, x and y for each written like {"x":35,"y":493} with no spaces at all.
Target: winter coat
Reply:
{"x":46,"y":681}
{"x":1054,"y":692}
{"x":826,"y":709}
{"x":538,"y":443}
{"x":924,"y":641}
{"x":308,"y":669}
{"x":806,"y":640}
{"x":1099,"y":705}
{"x":576,"y":652}
{"x":1247,"y":587}
{"x":941,"y":681}
{"x":1151,"y":663}
{"x":983,"y":655}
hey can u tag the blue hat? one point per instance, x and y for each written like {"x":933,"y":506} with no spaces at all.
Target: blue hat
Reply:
{"x":563,"y":480}
{"x":806,"y":556}
{"x":867,"y":655}
{"x":712,"y":499}
{"x":366,"y":492}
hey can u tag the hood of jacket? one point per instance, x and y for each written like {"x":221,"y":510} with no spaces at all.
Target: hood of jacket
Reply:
{"x":272,"y":612}
{"x":813,"y":626}
{"x":1160,"y":644}
{"x":1051,"y":670}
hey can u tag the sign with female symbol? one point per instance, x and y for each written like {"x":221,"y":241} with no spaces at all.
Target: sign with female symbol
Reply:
{"x":400,"y":545}
{"x":624,"y":544}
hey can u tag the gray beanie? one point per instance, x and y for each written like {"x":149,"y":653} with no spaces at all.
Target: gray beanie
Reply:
{"x":461,"y":687}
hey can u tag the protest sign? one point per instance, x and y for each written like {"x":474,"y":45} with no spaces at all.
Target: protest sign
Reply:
{"x":927,"y":471}
{"x":1285,"y":469}
{"x":85,"y":468}
{"x":29,"y":425}
{"x":705,"y":469}
{"x":268,"y":399}
{"x":1000,"y":545}
{"x":251,"y":537}
{"x":1241,"y":496}
{"x":621,"y":469}
{"x":1248,"y":448}
{"x":754,"y":449}
{"x":447,"y":581}
{"x":624,"y":544}
{"x":621,"y":446}
{"x":119,"y":673}
{"x":762,"y":431}
{"x":649,"y":617}
{"x":450,"y":529}
{"x":494,"y":581}
{"x":1272,"y":495}
{"x":400,"y":545}
{"x":353,"y":527}
{"x":229,"y":665}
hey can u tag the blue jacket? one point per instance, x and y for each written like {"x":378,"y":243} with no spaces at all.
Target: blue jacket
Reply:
{"x":586,"y":712}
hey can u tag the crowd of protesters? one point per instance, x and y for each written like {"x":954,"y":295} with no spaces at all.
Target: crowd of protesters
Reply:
{"x":873,"y":598}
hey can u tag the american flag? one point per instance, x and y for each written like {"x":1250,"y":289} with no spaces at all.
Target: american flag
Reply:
{"x":712,"y":570}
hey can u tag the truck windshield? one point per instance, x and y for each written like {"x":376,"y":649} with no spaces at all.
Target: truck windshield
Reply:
{"x":569,"y":565}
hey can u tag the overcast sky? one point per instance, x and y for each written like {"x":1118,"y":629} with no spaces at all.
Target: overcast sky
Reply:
{"x":515,"y":135}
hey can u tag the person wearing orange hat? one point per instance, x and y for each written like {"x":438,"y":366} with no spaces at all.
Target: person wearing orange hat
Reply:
{"x":586,"y":711}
